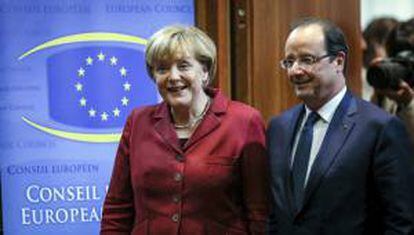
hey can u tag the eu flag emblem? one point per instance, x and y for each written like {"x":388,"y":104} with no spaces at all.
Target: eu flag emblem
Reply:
{"x":97,"y":87}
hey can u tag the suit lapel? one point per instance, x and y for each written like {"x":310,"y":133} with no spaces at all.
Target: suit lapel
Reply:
{"x":211,"y":121}
{"x":163,"y":126}
{"x":289,"y":135}
{"x":208,"y":124}
{"x":341,"y":125}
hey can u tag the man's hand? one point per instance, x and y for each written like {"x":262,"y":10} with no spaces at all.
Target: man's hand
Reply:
{"x":403,"y":95}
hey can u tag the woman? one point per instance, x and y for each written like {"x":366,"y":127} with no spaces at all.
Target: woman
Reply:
{"x":194,"y":164}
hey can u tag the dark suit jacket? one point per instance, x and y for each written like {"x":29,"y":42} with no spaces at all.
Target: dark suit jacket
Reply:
{"x":359,"y":181}
{"x":216,"y":184}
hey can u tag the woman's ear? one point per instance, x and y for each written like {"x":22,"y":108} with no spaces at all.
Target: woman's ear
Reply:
{"x":206,"y":77}
{"x":205,"y":80}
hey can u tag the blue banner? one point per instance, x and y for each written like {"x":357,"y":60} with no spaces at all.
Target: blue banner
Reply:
{"x":71,"y":72}
{"x":95,"y":86}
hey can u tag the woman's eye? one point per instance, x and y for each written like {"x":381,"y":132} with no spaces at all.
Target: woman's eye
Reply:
{"x":161,"y":70}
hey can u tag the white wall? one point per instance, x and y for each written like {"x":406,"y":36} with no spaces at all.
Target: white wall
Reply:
{"x":399,"y":9}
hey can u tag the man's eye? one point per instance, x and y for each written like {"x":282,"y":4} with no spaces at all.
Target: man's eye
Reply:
{"x":183,"y":66}
{"x":309,"y":60}
{"x":289,"y":63}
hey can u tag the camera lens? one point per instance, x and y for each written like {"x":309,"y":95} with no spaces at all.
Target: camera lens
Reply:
{"x":387,"y":74}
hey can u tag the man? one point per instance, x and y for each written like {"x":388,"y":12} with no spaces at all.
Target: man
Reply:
{"x":339,"y":165}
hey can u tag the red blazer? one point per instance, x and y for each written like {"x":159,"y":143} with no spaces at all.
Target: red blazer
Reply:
{"x":216,"y":184}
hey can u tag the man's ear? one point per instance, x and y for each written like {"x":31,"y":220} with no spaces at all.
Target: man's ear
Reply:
{"x":340,"y":60}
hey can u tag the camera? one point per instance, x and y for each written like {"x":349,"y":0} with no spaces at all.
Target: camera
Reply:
{"x":389,"y":72}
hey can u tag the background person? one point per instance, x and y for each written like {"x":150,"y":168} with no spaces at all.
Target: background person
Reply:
{"x":374,"y":38}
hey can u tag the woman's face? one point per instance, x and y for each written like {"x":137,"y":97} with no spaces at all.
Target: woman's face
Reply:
{"x":180,"y":81}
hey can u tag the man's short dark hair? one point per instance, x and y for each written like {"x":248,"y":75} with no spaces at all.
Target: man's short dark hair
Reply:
{"x":335,"y":40}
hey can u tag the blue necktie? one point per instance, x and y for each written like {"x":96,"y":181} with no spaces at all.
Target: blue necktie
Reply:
{"x":301,"y":159}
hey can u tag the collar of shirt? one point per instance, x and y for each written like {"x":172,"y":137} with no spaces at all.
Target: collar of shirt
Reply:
{"x":327,"y":111}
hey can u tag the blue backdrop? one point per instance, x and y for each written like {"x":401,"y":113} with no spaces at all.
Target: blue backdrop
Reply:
{"x":70,"y":72}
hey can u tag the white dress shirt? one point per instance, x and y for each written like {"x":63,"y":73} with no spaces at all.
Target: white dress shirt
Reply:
{"x":325,"y":113}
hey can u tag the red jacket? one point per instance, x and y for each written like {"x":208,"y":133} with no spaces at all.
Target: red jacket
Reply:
{"x":216,"y":184}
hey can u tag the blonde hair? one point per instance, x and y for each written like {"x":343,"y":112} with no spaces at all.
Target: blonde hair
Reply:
{"x":173,"y":42}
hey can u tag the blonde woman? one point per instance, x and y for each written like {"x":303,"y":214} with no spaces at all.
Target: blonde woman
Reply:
{"x":195,"y":163}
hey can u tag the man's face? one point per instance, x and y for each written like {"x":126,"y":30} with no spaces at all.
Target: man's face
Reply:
{"x":315,"y":76}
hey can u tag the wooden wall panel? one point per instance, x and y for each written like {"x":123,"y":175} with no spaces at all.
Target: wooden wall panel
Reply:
{"x":257,"y":31}
{"x":268,"y":26}
{"x":241,"y":63}
{"x":213,"y":17}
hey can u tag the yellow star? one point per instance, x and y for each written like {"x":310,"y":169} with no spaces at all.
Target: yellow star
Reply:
{"x":116,"y":112}
{"x":82,"y":101}
{"x":101,"y":56}
{"x":123,"y":72}
{"x":114,"y":60}
{"x":81,"y":72}
{"x":89,"y":61}
{"x":124,"y":101}
{"x":104,"y":116}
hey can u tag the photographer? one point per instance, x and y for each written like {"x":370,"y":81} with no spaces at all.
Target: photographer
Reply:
{"x":393,"y":77}
{"x":373,"y":42}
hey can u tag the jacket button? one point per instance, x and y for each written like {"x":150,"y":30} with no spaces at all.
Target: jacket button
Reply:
{"x":178,"y":177}
{"x":179,"y":158}
{"x":176,"y":198}
{"x":175,"y":217}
